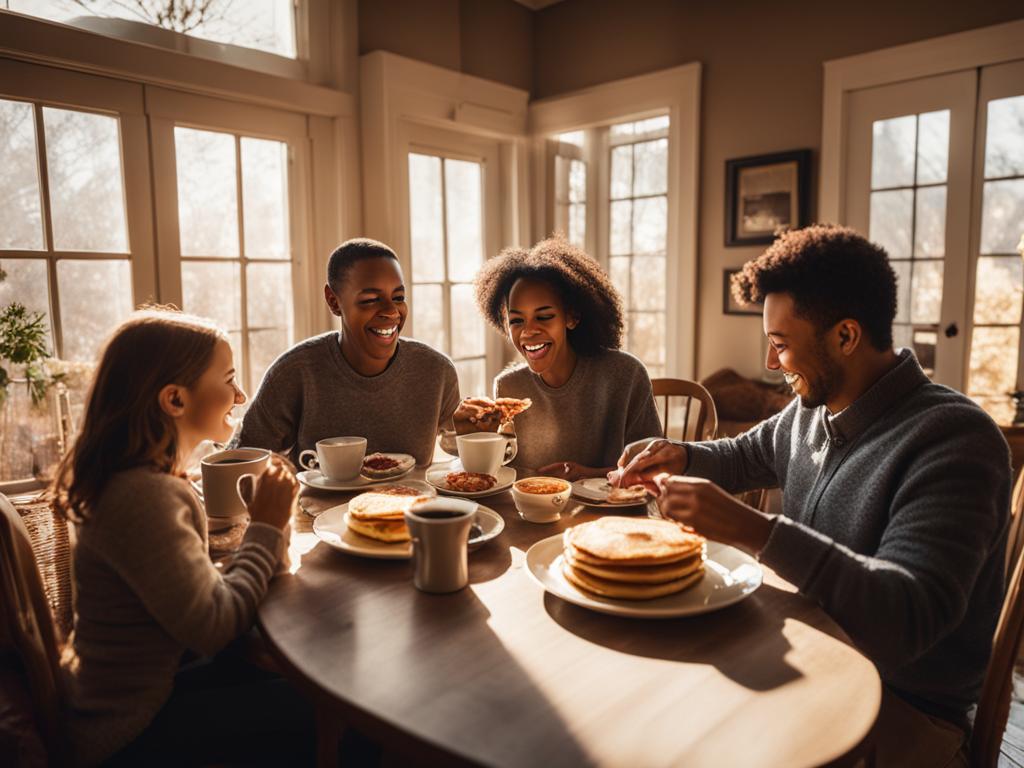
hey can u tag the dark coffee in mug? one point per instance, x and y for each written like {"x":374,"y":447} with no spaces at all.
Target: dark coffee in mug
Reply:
{"x":438,"y":514}
{"x":231,"y":461}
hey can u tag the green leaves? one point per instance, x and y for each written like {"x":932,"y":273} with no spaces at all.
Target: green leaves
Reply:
{"x":23,"y":342}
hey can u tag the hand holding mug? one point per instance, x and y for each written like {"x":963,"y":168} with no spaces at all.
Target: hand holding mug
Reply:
{"x":274,"y":494}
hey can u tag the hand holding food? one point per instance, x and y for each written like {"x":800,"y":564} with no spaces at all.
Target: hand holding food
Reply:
{"x":642,"y":468}
{"x":482,"y":414}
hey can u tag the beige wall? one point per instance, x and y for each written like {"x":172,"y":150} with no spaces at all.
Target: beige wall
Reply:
{"x":487,"y":38}
{"x":761,"y":92}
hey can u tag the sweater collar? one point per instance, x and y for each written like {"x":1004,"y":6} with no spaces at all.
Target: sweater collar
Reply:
{"x":848,"y":424}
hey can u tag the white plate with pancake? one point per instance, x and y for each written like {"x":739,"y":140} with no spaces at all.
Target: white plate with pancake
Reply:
{"x":593,"y":491}
{"x":331,"y":527}
{"x":313,"y":478}
{"x":729,"y":576}
{"x":505,"y":477}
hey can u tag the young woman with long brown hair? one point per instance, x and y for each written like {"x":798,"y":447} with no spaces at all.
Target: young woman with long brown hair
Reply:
{"x":146,"y":590}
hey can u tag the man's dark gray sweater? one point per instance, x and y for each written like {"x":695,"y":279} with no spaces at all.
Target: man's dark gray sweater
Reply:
{"x":894,"y":519}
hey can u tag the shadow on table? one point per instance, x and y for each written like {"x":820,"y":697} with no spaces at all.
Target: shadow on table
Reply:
{"x":744,"y":641}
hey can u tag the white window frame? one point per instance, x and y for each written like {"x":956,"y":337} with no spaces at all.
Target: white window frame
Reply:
{"x":408,"y":106}
{"x":49,"y":87}
{"x":675,"y":92}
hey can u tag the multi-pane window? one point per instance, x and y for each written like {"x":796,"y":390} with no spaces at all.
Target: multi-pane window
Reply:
{"x":235,"y":244}
{"x":266,"y":25}
{"x":63,"y":230}
{"x":909,"y":168}
{"x":571,"y":188}
{"x":995,"y":342}
{"x":638,"y":227}
{"x":446,"y":228}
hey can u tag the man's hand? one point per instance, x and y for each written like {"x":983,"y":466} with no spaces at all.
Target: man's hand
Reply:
{"x":476,"y":414}
{"x":715,"y":514}
{"x":641,"y":462}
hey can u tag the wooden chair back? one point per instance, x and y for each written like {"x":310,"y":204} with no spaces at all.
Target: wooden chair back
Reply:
{"x":28,"y":629}
{"x":700,"y":417}
{"x":1015,"y":535}
{"x":994,"y":704}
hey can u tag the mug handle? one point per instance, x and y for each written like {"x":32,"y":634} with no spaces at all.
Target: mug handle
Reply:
{"x":314,"y":462}
{"x":245,"y":485}
{"x":513,"y":446}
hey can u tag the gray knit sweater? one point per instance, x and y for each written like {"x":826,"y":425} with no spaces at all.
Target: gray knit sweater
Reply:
{"x":894,"y":519}
{"x":145,"y":591}
{"x":311,"y":393}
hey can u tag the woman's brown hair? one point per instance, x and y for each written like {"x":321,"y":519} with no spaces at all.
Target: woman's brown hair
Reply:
{"x":124,"y":425}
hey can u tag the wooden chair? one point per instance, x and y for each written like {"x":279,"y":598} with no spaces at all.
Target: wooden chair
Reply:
{"x":28,"y":629}
{"x":705,"y":422}
{"x":1015,"y":536}
{"x":994,"y":704}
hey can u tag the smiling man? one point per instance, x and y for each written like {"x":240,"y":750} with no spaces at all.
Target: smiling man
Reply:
{"x":895,"y":489}
{"x":365,"y":381}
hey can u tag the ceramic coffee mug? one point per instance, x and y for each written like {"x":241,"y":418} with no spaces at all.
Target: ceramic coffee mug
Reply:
{"x":440,"y":532}
{"x":541,"y":499}
{"x":485,"y":452}
{"x":337,"y":458}
{"x":221,"y":473}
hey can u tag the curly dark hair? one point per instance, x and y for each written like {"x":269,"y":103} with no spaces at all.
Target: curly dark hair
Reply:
{"x":832,"y":273}
{"x":583,"y":285}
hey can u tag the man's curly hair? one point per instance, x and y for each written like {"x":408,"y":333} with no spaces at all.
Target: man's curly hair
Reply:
{"x":832,"y":273}
{"x":583,"y":285}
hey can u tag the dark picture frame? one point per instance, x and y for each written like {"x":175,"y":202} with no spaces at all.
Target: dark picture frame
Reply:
{"x":764,"y":194}
{"x":729,"y":305}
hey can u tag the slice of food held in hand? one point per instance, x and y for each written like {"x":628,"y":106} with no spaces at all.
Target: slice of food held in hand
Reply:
{"x":634,"y":494}
{"x":380,"y":513}
{"x":510,"y":407}
{"x":469,"y":482}
{"x":632,"y":558}
{"x":379,"y":466}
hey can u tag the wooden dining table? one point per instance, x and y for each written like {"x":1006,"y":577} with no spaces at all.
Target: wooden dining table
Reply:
{"x":502,"y":673}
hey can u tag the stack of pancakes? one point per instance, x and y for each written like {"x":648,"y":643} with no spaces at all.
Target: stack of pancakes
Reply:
{"x":632,"y":558}
{"x":380,"y":513}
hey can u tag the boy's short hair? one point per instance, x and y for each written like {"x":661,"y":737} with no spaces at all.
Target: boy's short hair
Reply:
{"x":352,"y":251}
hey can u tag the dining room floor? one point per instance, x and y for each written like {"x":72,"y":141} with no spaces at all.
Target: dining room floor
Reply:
{"x":1011,"y":755}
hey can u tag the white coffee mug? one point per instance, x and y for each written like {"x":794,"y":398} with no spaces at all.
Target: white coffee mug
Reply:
{"x":221,"y":474}
{"x":337,"y":458}
{"x":485,"y":452}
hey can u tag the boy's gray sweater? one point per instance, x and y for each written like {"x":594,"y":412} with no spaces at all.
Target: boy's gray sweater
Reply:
{"x":894,"y":519}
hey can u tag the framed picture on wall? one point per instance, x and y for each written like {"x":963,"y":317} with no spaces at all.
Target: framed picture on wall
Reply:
{"x":765,"y":195}
{"x":729,"y":305}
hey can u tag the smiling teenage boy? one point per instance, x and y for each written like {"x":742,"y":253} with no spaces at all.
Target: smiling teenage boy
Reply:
{"x":364,"y":380}
{"x":895,"y":489}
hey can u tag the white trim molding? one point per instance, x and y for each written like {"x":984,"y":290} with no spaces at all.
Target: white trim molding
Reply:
{"x":677,"y":92}
{"x":950,"y":53}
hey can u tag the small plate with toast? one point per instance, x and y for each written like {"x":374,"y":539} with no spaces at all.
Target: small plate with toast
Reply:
{"x":471,"y":485}
{"x":377,"y":468}
{"x":598,"y":492}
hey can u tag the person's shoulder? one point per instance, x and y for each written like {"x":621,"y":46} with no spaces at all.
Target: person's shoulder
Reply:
{"x":940,"y":412}
{"x":622,"y":362}
{"x":127,"y":491}
{"x":512,"y":373}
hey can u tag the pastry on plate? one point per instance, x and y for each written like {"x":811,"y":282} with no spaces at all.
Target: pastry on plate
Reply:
{"x":379,"y":466}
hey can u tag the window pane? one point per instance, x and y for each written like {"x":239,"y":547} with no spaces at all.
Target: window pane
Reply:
{"x":207,"y":200}
{"x":266,"y":25}
{"x":215,"y":291}
{"x":264,"y":347}
{"x":902,"y":270}
{"x":1001,"y":408}
{"x":465,"y":225}
{"x":926,"y":302}
{"x":578,"y":224}
{"x":647,"y":336}
{"x":472,"y":377}
{"x":21,"y":222}
{"x":998,"y":290}
{"x":577,"y":181}
{"x":891,"y":223}
{"x":649,"y":224}
{"x":648,"y":283}
{"x":622,"y":172}
{"x":95,"y":296}
{"x":621,"y":228}
{"x":618,"y":270}
{"x":993,"y":369}
{"x":269,"y":295}
{"x":1004,"y":138}
{"x":1002,"y":216}
{"x":932,"y":147}
{"x":924,"y":350}
{"x":425,"y":222}
{"x":651,"y":124}
{"x":651,"y":168}
{"x":83,"y":160}
{"x":265,"y":198}
{"x":930,"y":223}
{"x":902,"y":336}
{"x":428,"y":316}
{"x":892,"y":152}
{"x":26,"y":283}
{"x":467,"y":325}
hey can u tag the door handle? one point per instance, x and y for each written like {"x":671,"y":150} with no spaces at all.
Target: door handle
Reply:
{"x":951,"y":330}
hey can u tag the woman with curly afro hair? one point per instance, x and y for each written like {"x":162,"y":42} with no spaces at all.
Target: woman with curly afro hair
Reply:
{"x":563,"y":315}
